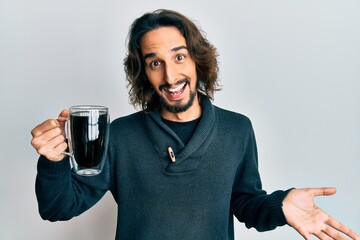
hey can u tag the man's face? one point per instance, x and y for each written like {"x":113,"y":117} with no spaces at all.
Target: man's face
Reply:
{"x":169,"y":68}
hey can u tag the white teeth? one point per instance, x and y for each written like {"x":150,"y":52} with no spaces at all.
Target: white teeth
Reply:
{"x":178,"y":88}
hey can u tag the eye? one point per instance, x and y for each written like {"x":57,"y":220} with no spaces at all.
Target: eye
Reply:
{"x":180,"y":57}
{"x":155,"y":64}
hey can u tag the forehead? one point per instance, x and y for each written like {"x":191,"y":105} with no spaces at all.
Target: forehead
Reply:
{"x":161,"y":39}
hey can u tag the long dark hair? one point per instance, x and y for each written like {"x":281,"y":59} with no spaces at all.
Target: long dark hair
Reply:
{"x":202,"y":52}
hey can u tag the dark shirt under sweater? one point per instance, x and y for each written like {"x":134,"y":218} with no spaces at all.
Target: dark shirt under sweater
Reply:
{"x":214,"y":178}
{"x":184,"y":130}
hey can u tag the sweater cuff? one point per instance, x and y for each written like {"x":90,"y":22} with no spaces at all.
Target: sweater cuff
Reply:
{"x":47,"y":167}
{"x":275,"y":203}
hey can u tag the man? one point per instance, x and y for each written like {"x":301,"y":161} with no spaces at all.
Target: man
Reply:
{"x":182,"y":167}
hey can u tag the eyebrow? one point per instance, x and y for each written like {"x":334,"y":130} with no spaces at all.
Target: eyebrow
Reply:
{"x":175,"y":49}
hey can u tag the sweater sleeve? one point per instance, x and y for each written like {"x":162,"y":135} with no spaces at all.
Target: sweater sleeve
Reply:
{"x":249,"y":203}
{"x":61,"y":194}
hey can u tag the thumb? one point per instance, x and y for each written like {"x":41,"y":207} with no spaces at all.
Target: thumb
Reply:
{"x":64,"y":115}
{"x":325,"y":191}
{"x":62,"y":118}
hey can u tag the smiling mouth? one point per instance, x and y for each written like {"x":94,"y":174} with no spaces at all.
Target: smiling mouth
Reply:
{"x":177,"y":90}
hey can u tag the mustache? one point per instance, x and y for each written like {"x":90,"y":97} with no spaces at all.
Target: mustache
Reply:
{"x":167,"y":85}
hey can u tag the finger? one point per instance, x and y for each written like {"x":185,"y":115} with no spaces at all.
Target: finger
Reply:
{"x":326,"y":191}
{"x":333,"y":234}
{"x":323,"y":236}
{"x":341,"y":228}
{"x":43,"y":139}
{"x":64,"y":115}
{"x":305,"y":235}
{"x":62,"y":118}
{"x":58,"y":153}
{"x":51,"y":144}
{"x":44,"y":127}
{"x":54,"y":149}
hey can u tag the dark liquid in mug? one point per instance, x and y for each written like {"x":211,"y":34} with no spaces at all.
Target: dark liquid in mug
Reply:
{"x":88,"y":138}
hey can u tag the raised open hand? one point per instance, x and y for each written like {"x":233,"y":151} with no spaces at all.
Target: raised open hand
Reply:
{"x":308,"y":219}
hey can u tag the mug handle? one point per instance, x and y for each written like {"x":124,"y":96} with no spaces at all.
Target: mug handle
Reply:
{"x":67,"y":134}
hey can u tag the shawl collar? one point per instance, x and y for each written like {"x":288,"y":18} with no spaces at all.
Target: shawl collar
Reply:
{"x":187,"y":156}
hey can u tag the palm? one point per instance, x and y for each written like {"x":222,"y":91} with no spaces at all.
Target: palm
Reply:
{"x":308,"y":219}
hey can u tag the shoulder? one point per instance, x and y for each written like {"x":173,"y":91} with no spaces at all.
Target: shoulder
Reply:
{"x":228,"y":117}
{"x":130,"y":121}
{"x":233,"y":127}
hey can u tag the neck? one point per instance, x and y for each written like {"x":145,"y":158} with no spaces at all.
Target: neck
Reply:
{"x":194,"y":112}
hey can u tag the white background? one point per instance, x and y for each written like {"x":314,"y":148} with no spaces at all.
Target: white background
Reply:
{"x":293,"y":67}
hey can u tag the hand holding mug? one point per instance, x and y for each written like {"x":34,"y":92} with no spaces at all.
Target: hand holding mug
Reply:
{"x":86,"y":128}
{"x":49,"y":137}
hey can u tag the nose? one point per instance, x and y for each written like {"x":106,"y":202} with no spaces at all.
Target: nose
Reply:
{"x":170,"y":74}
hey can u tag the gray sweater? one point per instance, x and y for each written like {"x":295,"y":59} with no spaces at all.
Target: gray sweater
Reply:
{"x":215,"y":176}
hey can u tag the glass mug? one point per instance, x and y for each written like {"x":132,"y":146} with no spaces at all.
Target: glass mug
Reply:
{"x":87,"y":131}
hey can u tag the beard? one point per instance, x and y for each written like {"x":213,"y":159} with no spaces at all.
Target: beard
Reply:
{"x":178,"y":107}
